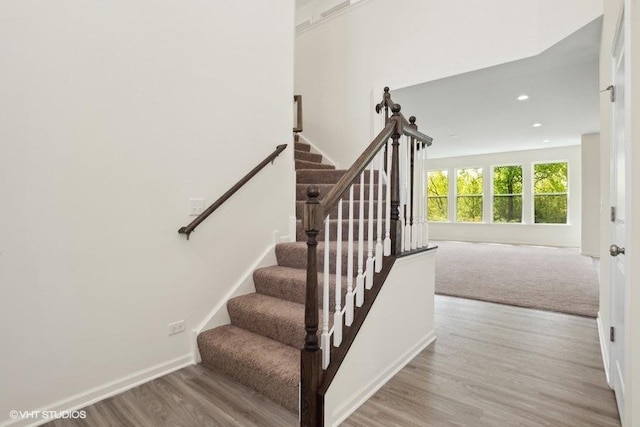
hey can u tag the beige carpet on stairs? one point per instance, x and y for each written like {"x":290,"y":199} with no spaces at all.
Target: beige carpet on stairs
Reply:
{"x":544,"y":278}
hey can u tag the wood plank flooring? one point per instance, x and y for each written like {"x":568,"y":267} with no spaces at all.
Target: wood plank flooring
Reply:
{"x":492,"y":365}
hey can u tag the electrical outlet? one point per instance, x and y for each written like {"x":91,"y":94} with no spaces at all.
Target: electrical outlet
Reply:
{"x":176,"y":327}
{"x":196,"y":207}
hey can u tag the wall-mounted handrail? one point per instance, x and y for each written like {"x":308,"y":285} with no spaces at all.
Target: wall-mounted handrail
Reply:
{"x":188,"y":229}
{"x":297,"y":99}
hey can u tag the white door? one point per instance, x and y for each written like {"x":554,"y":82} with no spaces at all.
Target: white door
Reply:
{"x":619,"y":294}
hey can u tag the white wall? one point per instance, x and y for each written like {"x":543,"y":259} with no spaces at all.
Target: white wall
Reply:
{"x":112,"y":115}
{"x":590,"y":180}
{"x":528,"y":232}
{"x":401,"y":323}
{"x":343,"y":63}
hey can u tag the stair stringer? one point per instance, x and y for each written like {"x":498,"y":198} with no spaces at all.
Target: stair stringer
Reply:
{"x":399,"y":325}
{"x":315,"y":149}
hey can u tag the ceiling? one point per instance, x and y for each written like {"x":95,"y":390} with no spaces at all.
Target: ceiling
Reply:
{"x":478,"y":112}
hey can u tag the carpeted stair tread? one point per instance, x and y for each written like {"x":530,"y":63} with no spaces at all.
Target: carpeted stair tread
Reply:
{"x":270,"y":317}
{"x":345,"y":208}
{"x":307,"y":156}
{"x":326,"y":176}
{"x":301,"y":236}
{"x":290,"y":283}
{"x":301,"y":191}
{"x":267,"y":366}
{"x":302,"y":164}
{"x":294,"y":255}
{"x":301,"y":146}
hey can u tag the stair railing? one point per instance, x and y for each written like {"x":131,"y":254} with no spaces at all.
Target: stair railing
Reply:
{"x":385,"y":191}
{"x":188,"y":229}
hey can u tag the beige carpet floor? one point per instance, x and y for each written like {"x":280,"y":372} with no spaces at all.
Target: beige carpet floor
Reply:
{"x":553,"y":279}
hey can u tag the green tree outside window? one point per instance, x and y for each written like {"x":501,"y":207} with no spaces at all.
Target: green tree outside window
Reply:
{"x":437,"y":196}
{"x":550,"y":189}
{"x":469,"y":195}
{"x":507,"y":194}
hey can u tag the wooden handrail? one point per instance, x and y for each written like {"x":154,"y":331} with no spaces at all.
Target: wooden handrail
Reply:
{"x":407,"y":128}
{"x":332,"y":198}
{"x":298,"y":100}
{"x":188,"y":229}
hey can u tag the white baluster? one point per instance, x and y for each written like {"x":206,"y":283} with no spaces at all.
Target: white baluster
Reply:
{"x":407,"y":222}
{"x":402,"y":184}
{"x":324,"y":338}
{"x":349,"y":298}
{"x":414,"y":194}
{"x":425,"y":226}
{"x":370,"y":260}
{"x":337,"y":315}
{"x":419,"y":194}
{"x":387,"y":237}
{"x":379,"y":248}
{"x":360,"y":277}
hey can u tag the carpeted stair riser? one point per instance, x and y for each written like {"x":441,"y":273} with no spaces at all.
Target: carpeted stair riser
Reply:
{"x":307,"y":156}
{"x":301,"y":146}
{"x":265,"y":365}
{"x":301,"y":236}
{"x":327,"y":176}
{"x":302,"y":164}
{"x":301,"y":191}
{"x":291,"y":283}
{"x":294,"y":255}
{"x":345,"y":209}
{"x":270,"y":317}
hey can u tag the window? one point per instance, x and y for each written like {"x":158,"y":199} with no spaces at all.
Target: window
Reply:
{"x":550,"y":193}
{"x":469,"y":195}
{"x":507,"y":194}
{"x":437,"y":196}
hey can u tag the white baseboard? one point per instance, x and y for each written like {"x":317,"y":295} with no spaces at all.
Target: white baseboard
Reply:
{"x":89,"y":397}
{"x":341,"y":413}
{"x":604,"y":339}
{"x":319,"y":151}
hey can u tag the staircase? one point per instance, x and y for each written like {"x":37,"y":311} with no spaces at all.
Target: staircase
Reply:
{"x":282,"y":341}
{"x":261,"y":346}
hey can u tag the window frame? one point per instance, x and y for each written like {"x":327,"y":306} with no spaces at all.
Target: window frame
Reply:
{"x":533,"y":193}
{"x":456,"y":195}
{"x":447,"y":196}
{"x":493,"y":194}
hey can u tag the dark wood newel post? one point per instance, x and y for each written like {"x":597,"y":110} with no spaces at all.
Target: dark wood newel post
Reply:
{"x":396,"y":225}
{"x":310,"y":370}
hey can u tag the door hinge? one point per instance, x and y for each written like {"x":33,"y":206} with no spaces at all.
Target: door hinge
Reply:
{"x":612,"y":334}
{"x":612,"y":92}
{"x":613,"y":214}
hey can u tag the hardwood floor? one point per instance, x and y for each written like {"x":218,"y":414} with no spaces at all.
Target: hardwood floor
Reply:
{"x":497,"y":365}
{"x":492,"y":365}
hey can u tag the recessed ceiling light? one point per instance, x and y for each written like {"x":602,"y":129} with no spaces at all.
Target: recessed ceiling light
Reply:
{"x":545,"y":140}
{"x":453,"y":135}
{"x":537,"y":125}
{"x":523,"y":97}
